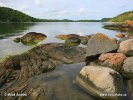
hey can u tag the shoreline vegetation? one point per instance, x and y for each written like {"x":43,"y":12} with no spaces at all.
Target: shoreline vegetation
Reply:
{"x":11,"y":15}
{"x":126,"y":26}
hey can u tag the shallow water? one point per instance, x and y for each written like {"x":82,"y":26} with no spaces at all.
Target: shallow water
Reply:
{"x":60,"y":81}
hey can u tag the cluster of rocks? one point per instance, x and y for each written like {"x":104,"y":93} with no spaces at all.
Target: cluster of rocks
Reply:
{"x":108,"y":64}
{"x":125,"y":26}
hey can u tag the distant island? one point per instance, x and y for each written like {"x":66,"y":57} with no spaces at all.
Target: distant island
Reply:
{"x":11,"y":15}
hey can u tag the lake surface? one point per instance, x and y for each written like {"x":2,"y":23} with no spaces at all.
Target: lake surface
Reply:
{"x":8,"y":31}
{"x":62,"y":86}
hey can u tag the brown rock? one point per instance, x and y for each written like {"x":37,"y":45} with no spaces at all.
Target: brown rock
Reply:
{"x":120,"y":35}
{"x":65,"y":37}
{"x":113,"y":60}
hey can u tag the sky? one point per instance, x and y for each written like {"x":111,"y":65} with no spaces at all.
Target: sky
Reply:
{"x":70,"y":9}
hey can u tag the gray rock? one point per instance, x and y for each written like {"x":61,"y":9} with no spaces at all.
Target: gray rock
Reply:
{"x":126,"y":47}
{"x":127,"y":69}
{"x":98,"y":80}
{"x":122,"y":39}
{"x":99,"y":43}
{"x":130,"y":88}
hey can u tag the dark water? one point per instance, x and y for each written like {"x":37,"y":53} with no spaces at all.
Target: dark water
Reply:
{"x":61,"y":80}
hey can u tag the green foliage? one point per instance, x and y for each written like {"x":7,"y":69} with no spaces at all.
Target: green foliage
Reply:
{"x":10,"y":15}
{"x":122,"y":17}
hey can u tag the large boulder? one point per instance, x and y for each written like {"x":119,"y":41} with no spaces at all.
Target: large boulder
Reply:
{"x":127,"y":69}
{"x":98,"y":44}
{"x":112,"y":60}
{"x":31,"y":38}
{"x":98,"y":80}
{"x":126,"y":47}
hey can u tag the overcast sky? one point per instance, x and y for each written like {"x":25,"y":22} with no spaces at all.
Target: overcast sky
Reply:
{"x":70,"y":9}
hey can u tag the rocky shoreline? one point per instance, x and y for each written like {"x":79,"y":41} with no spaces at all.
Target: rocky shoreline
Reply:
{"x":108,"y":63}
{"x":126,"y":26}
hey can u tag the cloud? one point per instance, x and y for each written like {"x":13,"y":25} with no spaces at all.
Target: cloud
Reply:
{"x":38,"y":2}
{"x":2,"y":4}
{"x":23,"y":7}
{"x":81,"y":11}
{"x":122,"y":5}
{"x":64,"y":12}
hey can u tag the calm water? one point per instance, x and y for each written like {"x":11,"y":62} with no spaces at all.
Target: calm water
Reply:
{"x":8,"y":31}
{"x":62,"y":87}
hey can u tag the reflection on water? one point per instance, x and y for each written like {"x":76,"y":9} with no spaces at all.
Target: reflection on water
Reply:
{"x":60,"y":84}
{"x":11,"y":29}
{"x":50,"y":29}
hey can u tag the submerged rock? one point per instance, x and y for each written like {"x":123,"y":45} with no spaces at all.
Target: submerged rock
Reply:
{"x":98,"y":80}
{"x":40,"y":59}
{"x":98,"y":44}
{"x":17,"y":73}
{"x":31,"y":38}
{"x":112,"y":60}
{"x":127,"y":69}
{"x":126,"y":47}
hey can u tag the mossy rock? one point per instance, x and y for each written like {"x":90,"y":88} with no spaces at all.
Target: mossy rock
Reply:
{"x":73,"y":41}
{"x":31,"y":38}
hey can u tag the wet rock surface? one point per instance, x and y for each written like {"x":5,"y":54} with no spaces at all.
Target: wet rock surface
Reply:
{"x":31,"y":38}
{"x":17,"y":71}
